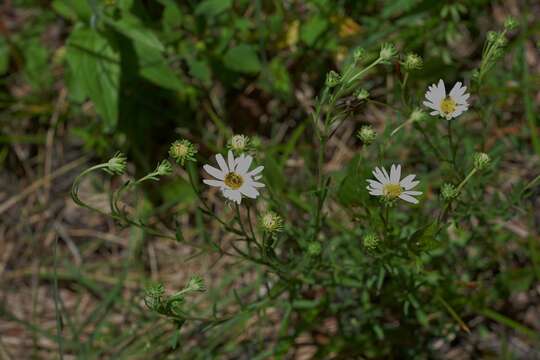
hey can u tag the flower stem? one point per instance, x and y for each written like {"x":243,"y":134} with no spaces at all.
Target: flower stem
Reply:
{"x":451,"y":144}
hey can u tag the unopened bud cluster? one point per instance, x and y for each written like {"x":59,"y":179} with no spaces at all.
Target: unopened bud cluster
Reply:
{"x":481,"y":161}
{"x":182,"y":150}
{"x":366,"y":134}
{"x":388,"y":51}
{"x":117,"y":164}
{"x":164,"y":168}
{"x":361,"y":94}
{"x":314,"y":248}
{"x":371,"y":242}
{"x":417,"y":115}
{"x":412,"y":62}
{"x":448,"y":191}
{"x":332,"y":79}
{"x":271,"y":223}
{"x":239,"y":144}
{"x":196,"y":283}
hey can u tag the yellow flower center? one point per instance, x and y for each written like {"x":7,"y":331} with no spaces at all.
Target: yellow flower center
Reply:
{"x":448,"y":105}
{"x":233,"y":180}
{"x":392,"y":190}
{"x":181,"y":150}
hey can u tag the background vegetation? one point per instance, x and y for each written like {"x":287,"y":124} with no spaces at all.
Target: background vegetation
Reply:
{"x":81,"y":79}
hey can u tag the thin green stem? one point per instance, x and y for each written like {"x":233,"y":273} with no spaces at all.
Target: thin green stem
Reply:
{"x":453,"y":149}
{"x":435,"y":149}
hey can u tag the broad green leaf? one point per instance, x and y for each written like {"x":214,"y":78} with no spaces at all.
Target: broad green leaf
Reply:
{"x":134,"y":29}
{"x":95,"y":65}
{"x":242,"y":58}
{"x":312,"y":29}
{"x":211,"y":8}
{"x":36,"y":61}
{"x":154,"y":67}
{"x":73,"y":9}
{"x":172,"y":15}
{"x":199,"y":69}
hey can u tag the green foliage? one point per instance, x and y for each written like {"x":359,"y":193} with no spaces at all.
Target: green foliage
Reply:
{"x":330,"y":90}
{"x":242,"y":58}
{"x":97,"y":68}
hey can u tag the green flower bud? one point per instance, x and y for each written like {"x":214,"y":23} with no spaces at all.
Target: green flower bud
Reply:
{"x":366,"y":134}
{"x":271,"y":223}
{"x":388,"y":51}
{"x":196,"y":283}
{"x":492,"y":36}
{"x":501,"y":41}
{"x":413,"y":62}
{"x":417,"y":115}
{"x":510,"y":23}
{"x":361,"y":94}
{"x":314,"y":248}
{"x":371,"y":242}
{"x":358,"y":54}
{"x":182,"y":150}
{"x":448,"y":191}
{"x":332,"y":79}
{"x":164,"y":168}
{"x":153,"y":296}
{"x":238,"y":144}
{"x":481,"y":160}
{"x":117,"y":164}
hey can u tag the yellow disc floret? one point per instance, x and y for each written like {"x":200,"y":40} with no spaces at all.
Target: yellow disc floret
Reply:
{"x":233,"y":180}
{"x":448,"y":106}
{"x":392,"y":191}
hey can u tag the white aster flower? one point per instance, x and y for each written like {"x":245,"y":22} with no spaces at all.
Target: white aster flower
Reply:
{"x":391,"y":187}
{"x":450,"y":106}
{"x":233,"y":177}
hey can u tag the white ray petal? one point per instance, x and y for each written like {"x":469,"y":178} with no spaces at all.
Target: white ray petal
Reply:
{"x":461,"y":100}
{"x":233,"y":195}
{"x":408,"y":198}
{"x":395,"y":173}
{"x":432,"y":105}
{"x":457,"y":90}
{"x":407,"y":181}
{"x":231,"y":161}
{"x":222,"y":164}
{"x":375,"y":184}
{"x":249,"y":191}
{"x":244,"y":164}
{"x":257,"y":184}
{"x":386,"y":174}
{"x":379,"y":175}
{"x":413,"y":192}
{"x":215,"y":183}
{"x":218,"y":174}
{"x":441,"y":88}
{"x":255,"y":171}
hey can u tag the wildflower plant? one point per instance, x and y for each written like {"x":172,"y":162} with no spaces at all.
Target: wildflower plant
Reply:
{"x":360,"y":245}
